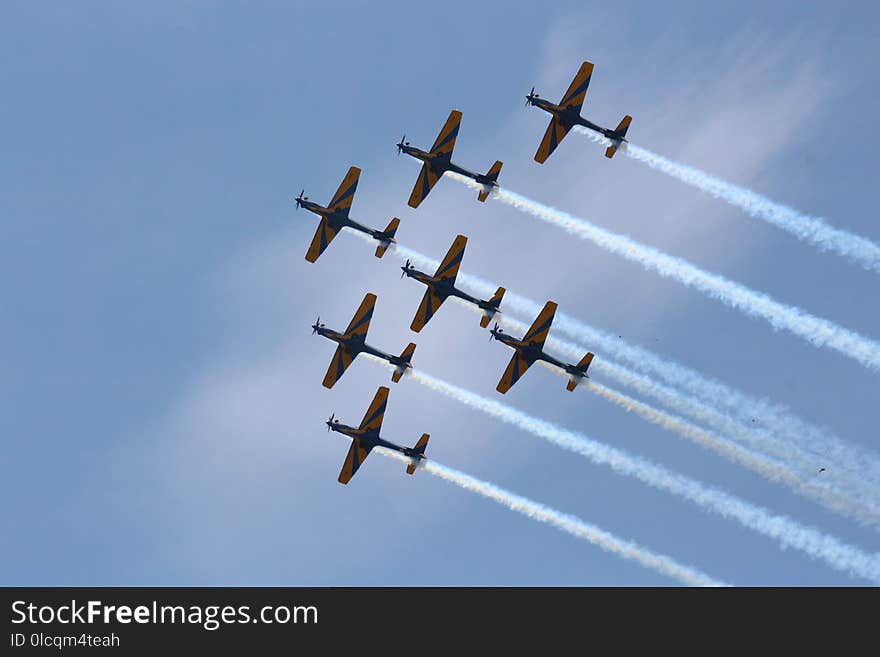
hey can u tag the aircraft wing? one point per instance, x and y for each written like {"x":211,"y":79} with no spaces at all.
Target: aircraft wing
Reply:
{"x":445,"y":141}
{"x":376,"y":412}
{"x":356,"y":456}
{"x":360,"y":323}
{"x":341,"y":360}
{"x":448,"y":269}
{"x":577,"y":90}
{"x":323,"y":236}
{"x":430,"y":303}
{"x":515,"y":369}
{"x":556,"y":132}
{"x":426,"y":180}
{"x":344,"y":196}
{"x":538,"y":331}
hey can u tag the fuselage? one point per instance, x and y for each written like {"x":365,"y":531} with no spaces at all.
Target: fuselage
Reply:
{"x":357,"y":345}
{"x":444,"y":288}
{"x":338,"y":220}
{"x":532,"y":353}
{"x":440,"y":163}
{"x":370,"y":438}
{"x":570,"y":117}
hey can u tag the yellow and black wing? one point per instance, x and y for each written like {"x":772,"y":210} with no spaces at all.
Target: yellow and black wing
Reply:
{"x":430,"y":303}
{"x":323,"y":236}
{"x":538,"y":331}
{"x":341,"y":360}
{"x":445,"y":141}
{"x":426,"y":180}
{"x":356,"y":456}
{"x":448,"y":269}
{"x":360,"y":323}
{"x":577,"y":90}
{"x":376,"y":412}
{"x":556,"y":132}
{"x":344,"y":196}
{"x":515,"y":369}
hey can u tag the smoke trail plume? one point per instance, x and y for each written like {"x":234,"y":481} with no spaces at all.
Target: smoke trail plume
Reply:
{"x":855,"y":472}
{"x":775,"y":471}
{"x":567,"y":523}
{"x":819,"y":332}
{"x":809,"y":229}
{"x":786,"y":531}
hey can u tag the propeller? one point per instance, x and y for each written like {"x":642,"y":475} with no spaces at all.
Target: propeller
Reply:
{"x":300,"y":199}
{"x":403,"y":142}
{"x":494,"y":331}
{"x":406,"y":267}
{"x":317,"y":325}
{"x":531,"y":97}
{"x":330,"y":421}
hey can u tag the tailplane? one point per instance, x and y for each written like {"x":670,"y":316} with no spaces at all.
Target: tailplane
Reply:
{"x":619,"y":135}
{"x":580,"y":372}
{"x":386,"y":237}
{"x":406,"y":357}
{"x":492,"y":176}
{"x":419,"y":453}
{"x":491,"y":307}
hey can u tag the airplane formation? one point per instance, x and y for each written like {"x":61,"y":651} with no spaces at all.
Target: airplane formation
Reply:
{"x":441,"y":285}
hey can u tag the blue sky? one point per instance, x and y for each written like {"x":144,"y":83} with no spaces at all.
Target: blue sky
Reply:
{"x":162,"y":415}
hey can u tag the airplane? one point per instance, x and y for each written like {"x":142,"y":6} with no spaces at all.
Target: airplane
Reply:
{"x":335,"y":217}
{"x":438,"y":161}
{"x":353,"y":342}
{"x":366,"y":436}
{"x":442,"y":286}
{"x":567,"y":114}
{"x":531,"y":349}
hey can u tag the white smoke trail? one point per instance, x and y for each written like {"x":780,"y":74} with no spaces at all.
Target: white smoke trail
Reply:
{"x":786,"y":531}
{"x":567,"y":523}
{"x":819,"y":332}
{"x":761,"y":424}
{"x":820,"y":491}
{"x":810,"y":229}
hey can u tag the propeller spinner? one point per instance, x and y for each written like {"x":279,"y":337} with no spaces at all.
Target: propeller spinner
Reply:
{"x":530,"y":99}
{"x":300,"y":199}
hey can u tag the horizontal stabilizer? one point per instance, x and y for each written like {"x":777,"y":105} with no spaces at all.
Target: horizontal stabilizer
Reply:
{"x":619,"y":135}
{"x":493,"y":176}
{"x":581,"y":368}
{"x":623,"y":126}
{"x":585,"y":362}
{"x":420,"y":450}
{"x":493,"y":303}
{"x":406,"y":357}
{"x":387,"y":237}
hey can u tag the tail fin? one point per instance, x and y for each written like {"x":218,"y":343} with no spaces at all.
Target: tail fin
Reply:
{"x":420,"y":450}
{"x":387,"y":237}
{"x":493,"y":304}
{"x":582,"y":367}
{"x":493,"y":176}
{"x":620,"y":131}
{"x":406,"y":357}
